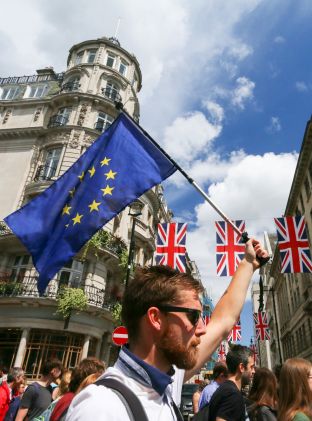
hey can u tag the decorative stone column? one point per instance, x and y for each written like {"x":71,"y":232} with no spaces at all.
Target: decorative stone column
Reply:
{"x":21,"y":348}
{"x":85,"y":347}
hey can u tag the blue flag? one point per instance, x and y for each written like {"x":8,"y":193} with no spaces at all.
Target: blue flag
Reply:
{"x":114,"y":171}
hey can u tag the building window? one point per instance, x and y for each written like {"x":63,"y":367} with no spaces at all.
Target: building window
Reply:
{"x":111,"y":58}
{"x":37,"y":91}
{"x":10,"y":92}
{"x":71,"y":85}
{"x":61,"y":118}
{"x":111,"y":91}
{"x":78,"y":59}
{"x":71,"y":274}
{"x":48,"y":170}
{"x":91,"y":56}
{"x":21,"y":267}
{"x":123,"y":65}
{"x":103,"y":122}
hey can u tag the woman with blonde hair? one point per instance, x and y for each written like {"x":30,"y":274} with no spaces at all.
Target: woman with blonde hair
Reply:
{"x":295,"y":392}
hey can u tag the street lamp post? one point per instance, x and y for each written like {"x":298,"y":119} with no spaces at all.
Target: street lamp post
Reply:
{"x":135,"y":210}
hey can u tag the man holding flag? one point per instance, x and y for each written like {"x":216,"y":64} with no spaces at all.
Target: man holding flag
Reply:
{"x":162,"y":309}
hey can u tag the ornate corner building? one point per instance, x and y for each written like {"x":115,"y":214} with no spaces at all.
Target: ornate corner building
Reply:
{"x":288,"y":297}
{"x":46,"y":122}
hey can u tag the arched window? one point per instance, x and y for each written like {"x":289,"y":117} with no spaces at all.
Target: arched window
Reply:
{"x":111,"y":91}
{"x":111,"y":59}
{"x":103,"y":122}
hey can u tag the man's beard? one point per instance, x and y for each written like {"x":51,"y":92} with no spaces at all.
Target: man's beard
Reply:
{"x":176,"y":353}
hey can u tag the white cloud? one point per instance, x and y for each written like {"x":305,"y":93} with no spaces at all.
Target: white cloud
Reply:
{"x":279,"y":39}
{"x":240,"y":51}
{"x":243,"y":92}
{"x":255,"y":189}
{"x":301,"y":86}
{"x":274,"y":126}
{"x":216,"y":112}
{"x":190,"y":136}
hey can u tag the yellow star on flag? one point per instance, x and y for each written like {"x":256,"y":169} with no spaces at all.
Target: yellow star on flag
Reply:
{"x":92,"y":172}
{"x":110,"y":174}
{"x":66,"y":209}
{"x":94,"y":206}
{"x":105,"y":161}
{"x":72,"y":192}
{"x":81,"y":176}
{"x":77,"y":219}
{"x":107,"y":190}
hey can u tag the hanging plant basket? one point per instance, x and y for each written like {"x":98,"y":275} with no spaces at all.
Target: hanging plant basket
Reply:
{"x":71,"y":300}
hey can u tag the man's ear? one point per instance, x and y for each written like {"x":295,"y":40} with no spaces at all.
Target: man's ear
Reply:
{"x":241,"y":367}
{"x":154,"y":318}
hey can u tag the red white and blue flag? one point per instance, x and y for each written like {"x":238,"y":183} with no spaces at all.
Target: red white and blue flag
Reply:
{"x":221,"y":352}
{"x":236,"y":333}
{"x":170,"y":249}
{"x":261,"y":326}
{"x":293,"y":244}
{"x":230,"y":249}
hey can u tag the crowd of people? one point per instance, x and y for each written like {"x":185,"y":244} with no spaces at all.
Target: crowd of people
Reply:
{"x":48,"y":398}
{"x":282,"y":396}
{"x":168,"y":343}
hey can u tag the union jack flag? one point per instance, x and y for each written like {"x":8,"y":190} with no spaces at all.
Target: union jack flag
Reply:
{"x":206,"y":318}
{"x":236,"y":333}
{"x":230,"y":251}
{"x":261,"y":326}
{"x":254,"y":349}
{"x":293,"y":244}
{"x":221,"y":352}
{"x":170,"y":249}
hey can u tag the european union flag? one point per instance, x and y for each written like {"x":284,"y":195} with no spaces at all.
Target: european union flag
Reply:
{"x":115,"y":170}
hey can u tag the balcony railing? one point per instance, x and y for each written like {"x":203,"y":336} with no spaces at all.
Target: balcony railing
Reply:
{"x":70,"y":87}
{"x":45,"y":172}
{"x":57,"y":121}
{"x":31,"y":79}
{"x":28,"y":288}
{"x":111,"y":94}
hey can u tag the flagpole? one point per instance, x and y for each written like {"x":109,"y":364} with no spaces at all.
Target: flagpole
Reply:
{"x":244,"y":235}
{"x":189,"y":179}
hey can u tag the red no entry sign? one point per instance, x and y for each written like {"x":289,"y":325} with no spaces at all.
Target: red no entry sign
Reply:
{"x":120,"y":336}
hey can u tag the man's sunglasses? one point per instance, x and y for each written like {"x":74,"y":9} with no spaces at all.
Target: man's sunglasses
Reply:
{"x":191,"y":313}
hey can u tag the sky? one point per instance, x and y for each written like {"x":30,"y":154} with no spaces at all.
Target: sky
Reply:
{"x":226,"y":91}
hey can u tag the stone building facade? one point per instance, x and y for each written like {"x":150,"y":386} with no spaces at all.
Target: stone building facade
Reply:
{"x":46,"y":122}
{"x":288,"y":297}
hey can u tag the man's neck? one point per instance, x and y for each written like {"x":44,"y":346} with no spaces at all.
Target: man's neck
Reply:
{"x":151,"y":357}
{"x":45,"y":381}
{"x":237,"y":379}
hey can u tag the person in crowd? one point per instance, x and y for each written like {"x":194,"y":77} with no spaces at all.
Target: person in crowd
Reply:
{"x":227,"y":403}
{"x":196,"y":397}
{"x":295,"y":390}
{"x":263,"y":396}
{"x":14,"y":375}
{"x":3,"y":373}
{"x":37,"y":396}
{"x":168,"y":339}
{"x":90,"y":365}
{"x":61,"y":390}
{"x":219,"y":375}
{"x":88,"y":380}
{"x":18,"y":389}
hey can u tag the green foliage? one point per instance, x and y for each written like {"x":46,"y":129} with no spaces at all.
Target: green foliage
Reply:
{"x":104,"y":239}
{"x":116,"y":313}
{"x":71,"y":299}
{"x":10,"y":288}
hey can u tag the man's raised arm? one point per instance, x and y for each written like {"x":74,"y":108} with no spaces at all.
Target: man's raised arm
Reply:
{"x":228,"y":308}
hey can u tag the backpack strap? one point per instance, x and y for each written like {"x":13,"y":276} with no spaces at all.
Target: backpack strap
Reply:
{"x":129,"y":399}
